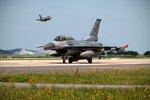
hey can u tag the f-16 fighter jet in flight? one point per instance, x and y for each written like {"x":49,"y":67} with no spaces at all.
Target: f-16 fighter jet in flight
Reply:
{"x":44,"y":19}
{"x":74,"y":50}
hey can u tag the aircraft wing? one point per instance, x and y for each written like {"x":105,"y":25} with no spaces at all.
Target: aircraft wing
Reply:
{"x":115,"y":48}
{"x":87,"y":47}
{"x":105,"y":48}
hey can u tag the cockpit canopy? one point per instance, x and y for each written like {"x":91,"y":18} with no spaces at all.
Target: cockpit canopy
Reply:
{"x":63,"y":38}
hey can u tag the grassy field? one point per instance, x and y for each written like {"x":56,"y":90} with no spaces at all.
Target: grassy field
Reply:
{"x":46,"y":93}
{"x":137,"y":76}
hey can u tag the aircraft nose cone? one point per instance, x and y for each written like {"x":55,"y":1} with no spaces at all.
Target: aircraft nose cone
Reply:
{"x":49,"y":46}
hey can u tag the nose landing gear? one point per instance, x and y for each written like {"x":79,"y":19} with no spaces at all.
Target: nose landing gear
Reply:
{"x":64,"y":58}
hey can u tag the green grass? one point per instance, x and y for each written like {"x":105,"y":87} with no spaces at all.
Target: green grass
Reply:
{"x":136,"y":76}
{"x":46,"y":93}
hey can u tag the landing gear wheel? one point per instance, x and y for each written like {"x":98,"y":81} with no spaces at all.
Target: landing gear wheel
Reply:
{"x":64,"y":61}
{"x":64,"y":58}
{"x":70,"y":59}
{"x":89,"y":60}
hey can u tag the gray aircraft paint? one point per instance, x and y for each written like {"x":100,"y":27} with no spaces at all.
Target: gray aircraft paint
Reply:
{"x":94,"y":33}
{"x":74,"y":50}
{"x":44,"y":19}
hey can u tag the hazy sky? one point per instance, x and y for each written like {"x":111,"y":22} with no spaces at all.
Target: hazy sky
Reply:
{"x":123,"y":22}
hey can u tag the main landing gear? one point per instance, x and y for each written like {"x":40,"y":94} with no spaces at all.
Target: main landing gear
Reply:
{"x":71,"y":59}
{"x":89,"y":60}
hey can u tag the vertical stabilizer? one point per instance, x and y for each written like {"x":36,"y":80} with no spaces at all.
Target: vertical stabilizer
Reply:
{"x":40,"y":16}
{"x":94,"y":33}
{"x":95,"y":29}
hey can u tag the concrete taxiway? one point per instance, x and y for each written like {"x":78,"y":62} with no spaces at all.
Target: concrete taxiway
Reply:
{"x":39,"y":85}
{"x":38,"y":66}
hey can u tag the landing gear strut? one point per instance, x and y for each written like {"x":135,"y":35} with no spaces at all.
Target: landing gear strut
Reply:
{"x":64,"y":58}
{"x":64,"y":61}
{"x":70,"y":59}
{"x":89,"y":60}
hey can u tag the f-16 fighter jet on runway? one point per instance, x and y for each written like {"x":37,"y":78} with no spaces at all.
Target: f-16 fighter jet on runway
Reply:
{"x":74,"y":50}
{"x":44,"y":19}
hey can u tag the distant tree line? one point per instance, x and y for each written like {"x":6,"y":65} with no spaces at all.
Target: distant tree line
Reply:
{"x":128,"y":53}
{"x":132,"y":53}
{"x":147,"y":53}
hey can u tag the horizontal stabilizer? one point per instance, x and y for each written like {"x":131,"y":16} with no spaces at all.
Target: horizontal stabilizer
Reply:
{"x":124,"y":46}
{"x":40,"y":47}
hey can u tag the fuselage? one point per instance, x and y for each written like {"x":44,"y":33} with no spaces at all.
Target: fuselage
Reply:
{"x":80,"y":48}
{"x":74,"y":50}
{"x":44,"y":19}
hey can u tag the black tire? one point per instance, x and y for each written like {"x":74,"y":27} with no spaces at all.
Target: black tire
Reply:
{"x":70,"y":59}
{"x":89,"y":60}
{"x":64,"y":61}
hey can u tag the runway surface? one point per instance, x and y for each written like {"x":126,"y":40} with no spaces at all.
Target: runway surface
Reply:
{"x":41,"y":66}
